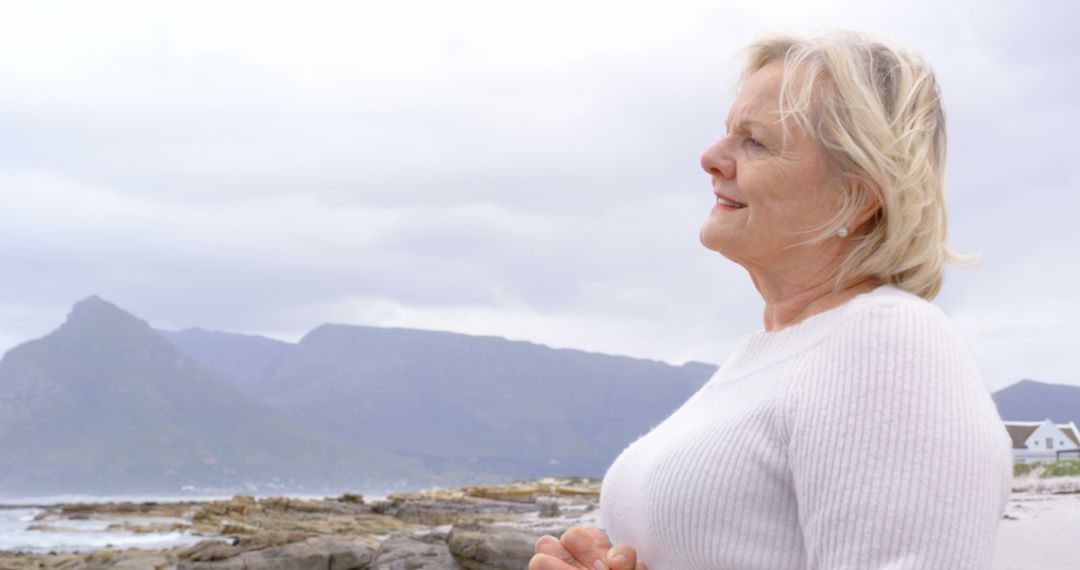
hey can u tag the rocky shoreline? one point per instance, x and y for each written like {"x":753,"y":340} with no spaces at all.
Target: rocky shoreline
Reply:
{"x":473,"y":528}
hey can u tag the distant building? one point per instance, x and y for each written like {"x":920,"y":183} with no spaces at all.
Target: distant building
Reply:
{"x":1043,"y":441}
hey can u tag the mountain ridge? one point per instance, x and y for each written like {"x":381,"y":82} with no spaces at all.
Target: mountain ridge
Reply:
{"x":352,"y":402}
{"x":104,"y":398}
{"x":1034,"y":400}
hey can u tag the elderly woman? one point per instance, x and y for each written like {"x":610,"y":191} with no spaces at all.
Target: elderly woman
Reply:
{"x":854,"y":431}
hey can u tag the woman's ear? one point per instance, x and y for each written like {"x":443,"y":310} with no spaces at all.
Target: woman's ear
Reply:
{"x":868,"y":204}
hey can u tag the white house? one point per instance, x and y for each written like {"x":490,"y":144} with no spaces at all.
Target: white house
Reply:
{"x":1044,"y":441}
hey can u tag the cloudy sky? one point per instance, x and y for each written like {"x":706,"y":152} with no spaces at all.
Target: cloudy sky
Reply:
{"x":528,"y":170}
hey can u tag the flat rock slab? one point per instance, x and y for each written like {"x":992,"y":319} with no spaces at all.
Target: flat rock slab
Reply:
{"x":275,"y":552}
{"x":415,"y":553}
{"x":490,"y":547}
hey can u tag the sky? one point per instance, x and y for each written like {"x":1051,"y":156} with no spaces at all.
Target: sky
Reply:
{"x":527,"y":170}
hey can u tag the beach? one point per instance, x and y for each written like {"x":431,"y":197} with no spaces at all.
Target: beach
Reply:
{"x":1039,"y":532}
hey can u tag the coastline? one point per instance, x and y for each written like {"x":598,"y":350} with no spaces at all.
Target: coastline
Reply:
{"x":473,"y":526}
{"x":436,"y":528}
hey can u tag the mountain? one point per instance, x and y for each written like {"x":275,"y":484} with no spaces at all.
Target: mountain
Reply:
{"x":484,"y":406}
{"x":104,"y":404}
{"x":473,"y":402}
{"x":1030,"y":400}
{"x":107,"y":404}
{"x":246,"y":361}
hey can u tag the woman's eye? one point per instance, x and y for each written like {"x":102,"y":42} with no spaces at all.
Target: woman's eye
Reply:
{"x":753,"y":143}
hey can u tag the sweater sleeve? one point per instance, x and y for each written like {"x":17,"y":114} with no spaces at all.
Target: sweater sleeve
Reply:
{"x":898,"y":456}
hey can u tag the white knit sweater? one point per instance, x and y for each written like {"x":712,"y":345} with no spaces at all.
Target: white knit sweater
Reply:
{"x":861,"y":438}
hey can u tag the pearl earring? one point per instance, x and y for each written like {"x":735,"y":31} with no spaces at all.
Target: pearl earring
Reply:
{"x":842,"y":232}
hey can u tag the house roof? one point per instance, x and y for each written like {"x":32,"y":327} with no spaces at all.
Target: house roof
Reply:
{"x":1069,"y":432}
{"x":1020,"y":433}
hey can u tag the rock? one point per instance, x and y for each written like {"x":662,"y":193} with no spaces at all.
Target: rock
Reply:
{"x":228,"y":564}
{"x":69,"y":564}
{"x":414,"y":553}
{"x":239,"y":505}
{"x":149,"y":528}
{"x":23,"y":561}
{"x":286,"y":504}
{"x":246,"y":516}
{"x":351,"y":498}
{"x":421,"y":511}
{"x":436,"y":536}
{"x":131,"y":559}
{"x":86,"y":510}
{"x":282,"y":551}
{"x":548,"y":508}
{"x":233,"y":529}
{"x":490,"y":547}
{"x":474,"y":528}
{"x":271,"y":538}
{"x":528,"y":491}
{"x":438,"y":512}
{"x":213,"y":550}
{"x":209,"y":551}
{"x":142,"y":563}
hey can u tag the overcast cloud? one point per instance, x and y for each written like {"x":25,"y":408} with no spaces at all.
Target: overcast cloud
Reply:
{"x":528,"y":170}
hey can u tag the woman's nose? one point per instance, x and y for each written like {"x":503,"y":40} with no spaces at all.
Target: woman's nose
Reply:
{"x":717,"y":161}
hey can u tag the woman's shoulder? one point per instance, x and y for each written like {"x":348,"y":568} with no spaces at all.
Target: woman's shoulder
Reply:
{"x":891,"y":310}
{"x":880,"y":320}
{"x":892,"y":323}
{"x":891,"y":297}
{"x":890,"y":343}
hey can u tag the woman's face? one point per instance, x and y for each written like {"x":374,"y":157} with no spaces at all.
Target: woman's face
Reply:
{"x":766,"y":191}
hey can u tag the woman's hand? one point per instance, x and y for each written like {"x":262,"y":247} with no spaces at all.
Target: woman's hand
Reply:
{"x":583,"y":548}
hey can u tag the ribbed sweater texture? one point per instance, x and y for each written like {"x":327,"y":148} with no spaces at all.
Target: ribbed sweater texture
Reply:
{"x":862,"y":437}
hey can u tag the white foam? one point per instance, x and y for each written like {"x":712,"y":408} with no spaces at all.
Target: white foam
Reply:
{"x":77,"y":535}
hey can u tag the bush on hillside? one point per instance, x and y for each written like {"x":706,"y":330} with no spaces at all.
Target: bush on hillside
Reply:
{"x":1021,"y":469}
{"x":1065,"y":468}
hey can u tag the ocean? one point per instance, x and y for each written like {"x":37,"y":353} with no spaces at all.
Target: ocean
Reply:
{"x":76,"y":535}
{"x":17,"y":515}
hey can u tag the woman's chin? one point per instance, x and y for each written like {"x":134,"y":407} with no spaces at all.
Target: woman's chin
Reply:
{"x":714,"y":238}
{"x":721,"y":242}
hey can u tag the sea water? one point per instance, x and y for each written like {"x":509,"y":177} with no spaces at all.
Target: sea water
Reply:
{"x":77,"y":535}
{"x":74,"y":535}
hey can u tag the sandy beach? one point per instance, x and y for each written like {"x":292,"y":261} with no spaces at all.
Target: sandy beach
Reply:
{"x":1039,"y":532}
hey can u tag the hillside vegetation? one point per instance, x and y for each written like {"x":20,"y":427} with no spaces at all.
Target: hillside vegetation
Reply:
{"x":1064,"y":468}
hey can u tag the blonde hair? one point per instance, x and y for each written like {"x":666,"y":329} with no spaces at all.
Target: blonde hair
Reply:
{"x":876,"y":110}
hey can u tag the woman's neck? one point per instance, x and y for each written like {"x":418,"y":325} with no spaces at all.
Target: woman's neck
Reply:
{"x":789,"y":304}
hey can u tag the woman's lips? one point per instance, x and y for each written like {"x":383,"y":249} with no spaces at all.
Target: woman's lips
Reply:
{"x":725,"y":203}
